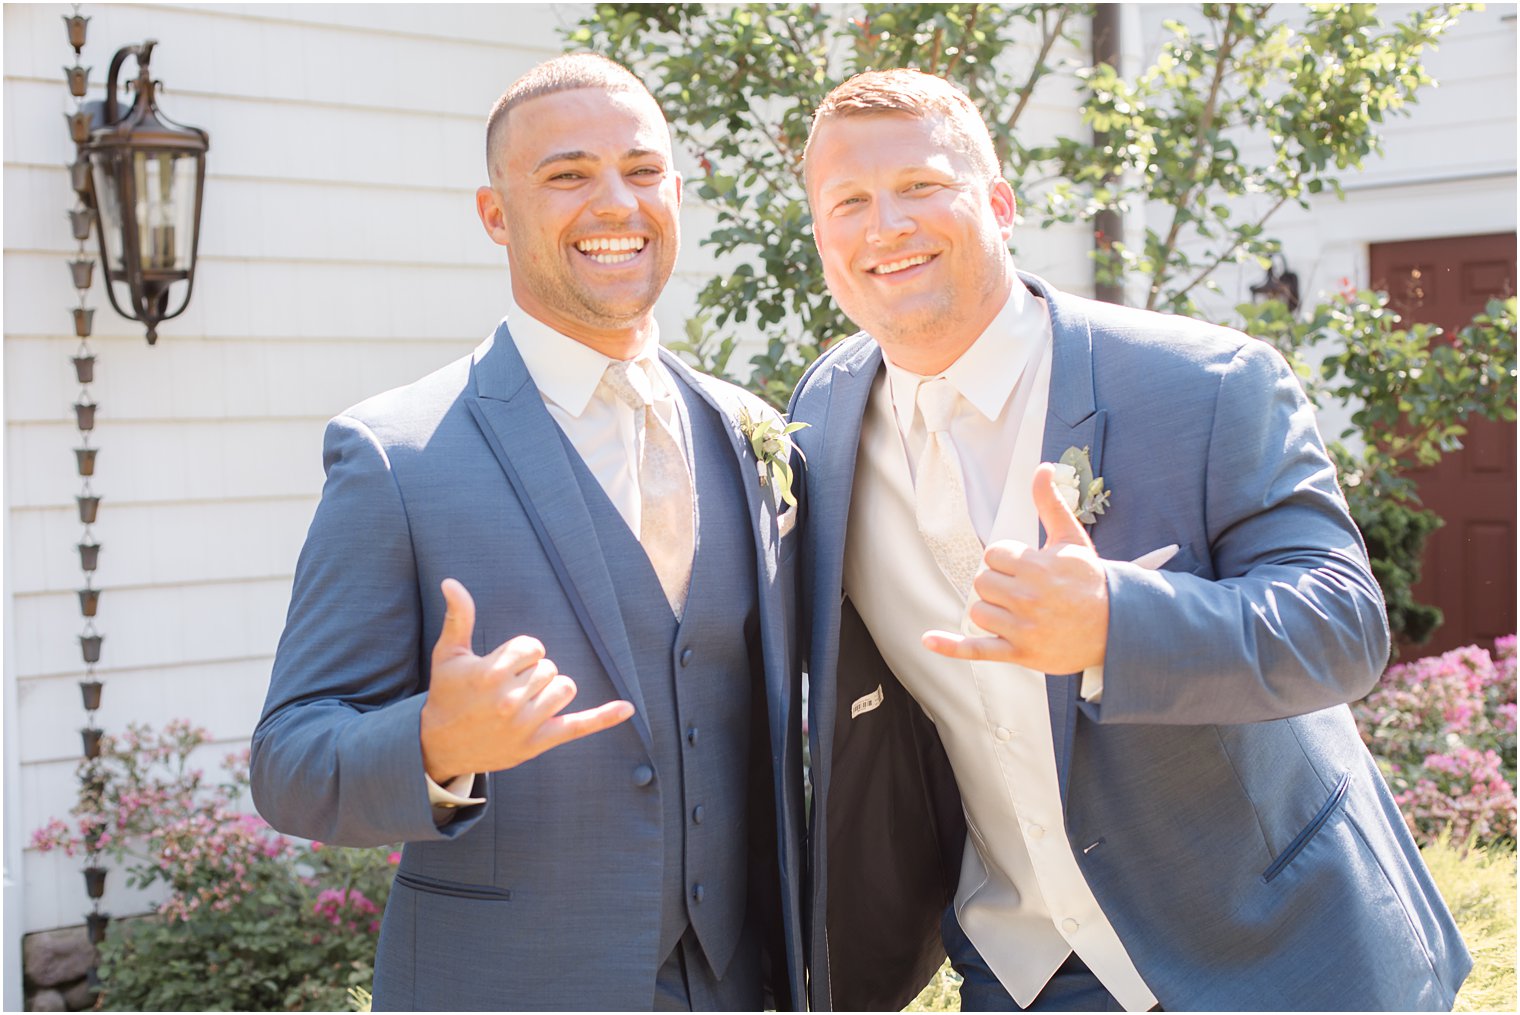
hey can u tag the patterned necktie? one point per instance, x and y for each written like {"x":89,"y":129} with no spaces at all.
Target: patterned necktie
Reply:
{"x":666,"y":525}
{"x":944,"y":520}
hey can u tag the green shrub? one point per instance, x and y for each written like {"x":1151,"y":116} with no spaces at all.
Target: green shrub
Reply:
{"x":252,"y":920}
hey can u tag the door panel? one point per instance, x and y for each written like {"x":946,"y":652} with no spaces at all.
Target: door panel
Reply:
{"x":1469,"y":566}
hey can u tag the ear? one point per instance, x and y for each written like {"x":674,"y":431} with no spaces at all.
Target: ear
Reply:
{"x":1004,"y":206}
{"x":492,"y":215}
{"x":679,"y":186}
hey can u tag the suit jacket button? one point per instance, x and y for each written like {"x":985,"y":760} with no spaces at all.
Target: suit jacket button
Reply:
{"x":697,"y":892}
{"x":643,"y":775}
{"x":697,"y":814}
{"x":691,"y":736}
{"x":685,"y":656}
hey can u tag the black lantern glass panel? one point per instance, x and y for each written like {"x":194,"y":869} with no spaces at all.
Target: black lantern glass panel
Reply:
{"x":148,"y":173}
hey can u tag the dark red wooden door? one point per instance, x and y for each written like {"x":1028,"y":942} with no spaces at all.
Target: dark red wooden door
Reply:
{"x":1469,"y":568}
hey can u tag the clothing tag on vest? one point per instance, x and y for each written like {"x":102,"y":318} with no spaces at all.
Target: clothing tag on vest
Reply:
{"x":866,"y":704}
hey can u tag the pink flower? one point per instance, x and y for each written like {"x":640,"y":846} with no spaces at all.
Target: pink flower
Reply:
{"x":394,"y":858}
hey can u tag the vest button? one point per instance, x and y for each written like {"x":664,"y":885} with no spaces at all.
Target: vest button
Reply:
{"x":643,"y":775}
{"x":1070,"y":926}
{"x":697,"y":814}
{"x":691,"y":736}
{"x":697,"y":892}
{"x":685,"y":657}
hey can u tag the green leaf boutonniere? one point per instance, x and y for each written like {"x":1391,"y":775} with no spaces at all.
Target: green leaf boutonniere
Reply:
{"x":1082,"y":491}
{"x":769,"y":438}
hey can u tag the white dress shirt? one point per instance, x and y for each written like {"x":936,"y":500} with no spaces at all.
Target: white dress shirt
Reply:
{"x":1022,"y":899}
{"x":604,"y":430}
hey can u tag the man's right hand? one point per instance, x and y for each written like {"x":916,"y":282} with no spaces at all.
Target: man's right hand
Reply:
{"x":495,"y":711}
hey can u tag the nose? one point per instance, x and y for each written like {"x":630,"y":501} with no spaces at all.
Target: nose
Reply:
{"x":614,"y":197}
{"x":890,"y":220}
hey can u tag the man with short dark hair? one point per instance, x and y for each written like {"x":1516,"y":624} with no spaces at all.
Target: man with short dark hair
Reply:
{"x":569,"y":516}
{"x":1106,"y":769}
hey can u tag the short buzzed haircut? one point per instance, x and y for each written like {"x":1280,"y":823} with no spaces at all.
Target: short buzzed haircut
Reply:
{"x":912,"y":93}
{"x":561,"y":74}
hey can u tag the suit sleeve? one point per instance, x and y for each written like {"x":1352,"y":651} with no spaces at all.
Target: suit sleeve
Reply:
{"x":337,"y":754}
{"x":1293,"y":620}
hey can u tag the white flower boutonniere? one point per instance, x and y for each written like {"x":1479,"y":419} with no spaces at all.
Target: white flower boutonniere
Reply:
{"x":1079,"y":488}
{"x":770,"y":440}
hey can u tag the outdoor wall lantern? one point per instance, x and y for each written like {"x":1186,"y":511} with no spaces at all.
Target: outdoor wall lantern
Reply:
{"x":146,"y":177}
{"x":1277,"y":285}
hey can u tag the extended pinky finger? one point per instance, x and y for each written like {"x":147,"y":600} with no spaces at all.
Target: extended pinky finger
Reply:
{"x":573,"y":725}
{"x":959,"y":646}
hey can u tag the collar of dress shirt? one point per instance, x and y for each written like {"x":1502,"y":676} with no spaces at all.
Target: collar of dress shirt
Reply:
{"x":987,"y":372}
{"x":565,"y":371}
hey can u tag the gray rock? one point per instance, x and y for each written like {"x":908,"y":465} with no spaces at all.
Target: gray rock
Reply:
{"x":47,"y":1000}
{"x":54,"y":957}
{"x":80,"y":997}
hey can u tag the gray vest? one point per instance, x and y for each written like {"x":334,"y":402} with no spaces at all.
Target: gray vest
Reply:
{"x":698,"y":686}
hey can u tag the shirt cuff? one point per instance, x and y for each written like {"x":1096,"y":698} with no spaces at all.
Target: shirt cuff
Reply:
{"x":448,"y":798}
{"x":1092,"y":684}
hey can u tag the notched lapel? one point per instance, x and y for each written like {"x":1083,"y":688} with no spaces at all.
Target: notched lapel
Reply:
{"x":528,"y":444}
{"x":1073,"y":420}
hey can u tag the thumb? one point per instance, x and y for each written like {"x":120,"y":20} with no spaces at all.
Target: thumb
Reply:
{"x":1061,"y":525}
{"x":458,"y":621}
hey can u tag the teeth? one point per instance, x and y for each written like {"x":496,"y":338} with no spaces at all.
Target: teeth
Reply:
{"x":896,"y":266}
{"x":611,"y":250}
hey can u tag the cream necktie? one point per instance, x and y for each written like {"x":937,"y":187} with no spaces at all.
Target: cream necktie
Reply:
{"x":944,"y":520}
{"x":665,"y":497}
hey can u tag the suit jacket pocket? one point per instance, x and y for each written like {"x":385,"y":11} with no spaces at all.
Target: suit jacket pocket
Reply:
{"x":438,"y":886}
{"x":1308,"y":832}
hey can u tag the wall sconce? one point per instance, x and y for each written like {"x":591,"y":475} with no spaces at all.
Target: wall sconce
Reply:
{"x":1278,"y":286}
{"x":147,"y":173}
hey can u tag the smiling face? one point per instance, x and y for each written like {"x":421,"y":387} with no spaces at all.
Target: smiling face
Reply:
{"x":585,"y":198}
{"x":914,"y":239}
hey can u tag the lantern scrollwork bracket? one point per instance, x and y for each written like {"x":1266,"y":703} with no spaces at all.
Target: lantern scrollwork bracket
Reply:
{"x":147,"y":176}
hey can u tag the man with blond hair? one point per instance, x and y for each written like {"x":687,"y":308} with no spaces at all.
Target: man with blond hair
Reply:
{"x":567,"y":516}
{"x":1086,"y":608}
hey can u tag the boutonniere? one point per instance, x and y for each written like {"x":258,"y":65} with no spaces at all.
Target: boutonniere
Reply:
{"x":1079,"y":488}
{"x":772,"y":444}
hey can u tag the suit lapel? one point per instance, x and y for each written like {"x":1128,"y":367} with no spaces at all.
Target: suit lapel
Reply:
{"x":1072,"y":420}
{"x":837,"y":442}
{"x":527,"y":443}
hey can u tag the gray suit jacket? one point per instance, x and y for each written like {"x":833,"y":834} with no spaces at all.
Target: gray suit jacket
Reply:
{"x":1219,"y":801}
{"x":546,"y":896}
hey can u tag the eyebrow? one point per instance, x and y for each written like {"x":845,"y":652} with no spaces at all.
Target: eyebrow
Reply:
{"x":585,"y":156}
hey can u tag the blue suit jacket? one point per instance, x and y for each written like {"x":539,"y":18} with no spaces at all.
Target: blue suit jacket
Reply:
{"x":546,"y":896}
{"x":1219,"y":801}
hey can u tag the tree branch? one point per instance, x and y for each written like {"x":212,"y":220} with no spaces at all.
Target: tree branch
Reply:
{"x":1203,"y":165}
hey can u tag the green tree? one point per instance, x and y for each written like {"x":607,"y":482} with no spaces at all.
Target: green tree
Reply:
{"x":1185,"y":136}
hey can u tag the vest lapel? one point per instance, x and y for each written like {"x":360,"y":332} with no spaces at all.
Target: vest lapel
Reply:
{"x":527,"y":443}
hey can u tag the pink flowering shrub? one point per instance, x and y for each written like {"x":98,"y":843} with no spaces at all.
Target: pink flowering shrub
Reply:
{"x":251,"y":920}
{"x":1443,"y":731}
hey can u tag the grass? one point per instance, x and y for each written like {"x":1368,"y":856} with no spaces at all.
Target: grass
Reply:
{"x":1479,"y":886}
{"x":1480,"y":889}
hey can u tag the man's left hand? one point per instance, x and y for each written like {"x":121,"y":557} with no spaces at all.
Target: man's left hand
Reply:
{"x":1046,"y":609}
